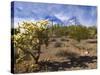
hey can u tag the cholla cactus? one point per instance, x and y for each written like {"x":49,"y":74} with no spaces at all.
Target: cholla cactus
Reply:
{"x":31,"y":37}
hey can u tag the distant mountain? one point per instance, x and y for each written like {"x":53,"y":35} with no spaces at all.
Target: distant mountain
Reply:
{"x":54,"y":19}
{"x":72,"y":21}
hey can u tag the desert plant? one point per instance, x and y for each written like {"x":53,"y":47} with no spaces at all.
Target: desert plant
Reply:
{"x":31,"y":37}
{"x":58,"y":44}
{"x":79,"y":32}
{"x":93,"y":31}
{"x":53,"y":40}
{"x":34,"y":68}
{"x":64,"y":39}
{"x":60,"y":31}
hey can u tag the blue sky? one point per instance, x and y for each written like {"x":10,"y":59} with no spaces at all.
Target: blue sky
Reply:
{"x":86,"y":15}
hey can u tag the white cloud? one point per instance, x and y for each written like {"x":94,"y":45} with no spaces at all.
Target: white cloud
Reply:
{"x":61,"y":17}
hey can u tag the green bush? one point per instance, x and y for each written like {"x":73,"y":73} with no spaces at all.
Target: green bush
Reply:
{"x":59,"y":30}
{"x":93,"y":31}
{"x":79,"y":32}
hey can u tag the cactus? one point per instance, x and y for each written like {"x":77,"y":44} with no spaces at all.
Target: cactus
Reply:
{"x":31,"y":37}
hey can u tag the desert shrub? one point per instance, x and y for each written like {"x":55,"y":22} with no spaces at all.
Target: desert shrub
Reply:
{"x":53,"y":40}
{"x":79,"y":32}
{"x":93,"y":31}
{"x":58,"y":44}
{"x":30,"y":38}
{"x":59,"y":30}
{"x":34,"y":68}
{"x":63,"y":39}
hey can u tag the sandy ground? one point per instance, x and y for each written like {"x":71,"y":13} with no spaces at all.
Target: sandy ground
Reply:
{"x":64,"y":54}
